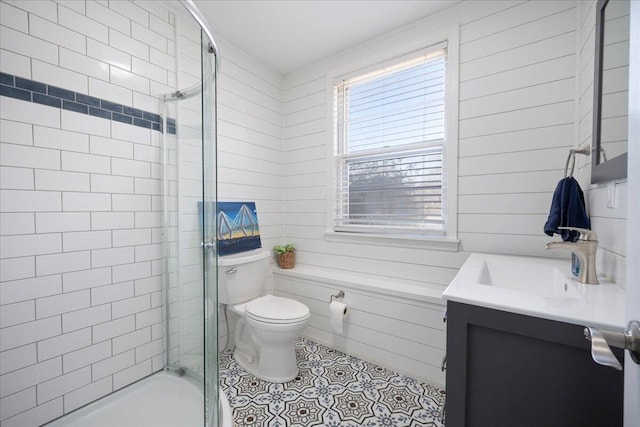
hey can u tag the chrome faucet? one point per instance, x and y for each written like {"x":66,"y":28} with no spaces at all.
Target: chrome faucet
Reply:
{"x":585,"y":248}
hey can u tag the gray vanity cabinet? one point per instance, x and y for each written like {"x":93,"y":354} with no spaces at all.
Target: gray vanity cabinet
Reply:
{"x":510,"y":370}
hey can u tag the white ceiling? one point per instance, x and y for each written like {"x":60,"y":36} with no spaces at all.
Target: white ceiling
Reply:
{"x":288,"y":35}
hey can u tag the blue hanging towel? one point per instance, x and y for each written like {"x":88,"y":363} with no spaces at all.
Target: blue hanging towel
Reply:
{"x":567,"y":210}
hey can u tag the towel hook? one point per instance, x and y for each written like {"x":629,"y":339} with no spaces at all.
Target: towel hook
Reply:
{"x":585,"y":149}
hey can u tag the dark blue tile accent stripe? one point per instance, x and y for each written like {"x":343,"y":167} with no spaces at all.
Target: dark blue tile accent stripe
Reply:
{"x":99,"y":113}
{"x":74,"y":106}
{"x":61,"y":93}
{"x":122,"y":118}
{"x":111,"y":106}
{"x":132,"y":111}
{"x":53,"y":96}
{"x":142,"y":123}
{"x":13,"y":92}
{"x":46,"y":100}
{"x":31,"y":85}
{"x":88,"y":100}
{"x":7,"y":79}
{"x":150,"y":116}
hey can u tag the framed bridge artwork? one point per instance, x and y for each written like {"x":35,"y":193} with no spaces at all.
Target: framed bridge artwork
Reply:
{"x":235,"y":225}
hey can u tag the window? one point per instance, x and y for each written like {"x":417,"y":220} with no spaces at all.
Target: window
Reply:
{"x":390,"y":139}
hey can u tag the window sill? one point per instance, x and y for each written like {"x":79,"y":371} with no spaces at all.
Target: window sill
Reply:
{"x":396,"y":241}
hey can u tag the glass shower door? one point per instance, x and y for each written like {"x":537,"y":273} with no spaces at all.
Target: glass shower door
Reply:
{"x":190,"y":223}
{"x":209,"y":196}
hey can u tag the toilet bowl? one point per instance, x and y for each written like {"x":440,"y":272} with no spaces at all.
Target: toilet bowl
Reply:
{"x":268,"y":325}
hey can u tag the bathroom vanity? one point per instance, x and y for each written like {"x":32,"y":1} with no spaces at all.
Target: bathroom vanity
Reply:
{"x":516,"y":351}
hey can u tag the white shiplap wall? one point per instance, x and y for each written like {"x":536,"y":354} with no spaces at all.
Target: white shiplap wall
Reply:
{"x":517,"y":105}
{"x":249,"y":168}
{"x":609,"y":223}
{"x":250,"y":138}
{"x":250,"y":146}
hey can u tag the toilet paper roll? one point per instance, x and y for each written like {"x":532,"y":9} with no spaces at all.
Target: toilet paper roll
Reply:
{"x":338,"y":311}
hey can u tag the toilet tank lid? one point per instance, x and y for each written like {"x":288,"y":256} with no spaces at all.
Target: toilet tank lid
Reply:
{"x":243,"y":257}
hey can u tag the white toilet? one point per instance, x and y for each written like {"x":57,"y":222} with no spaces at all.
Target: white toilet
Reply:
{"x":268,"y":325}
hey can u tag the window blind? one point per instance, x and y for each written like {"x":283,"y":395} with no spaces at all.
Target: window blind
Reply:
{"x":389,"y":147}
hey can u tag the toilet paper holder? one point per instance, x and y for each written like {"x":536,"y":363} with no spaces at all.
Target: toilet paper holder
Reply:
{"x":338,"y":296}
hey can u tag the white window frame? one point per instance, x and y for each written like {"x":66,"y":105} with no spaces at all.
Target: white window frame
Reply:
{"x":423,"y":240}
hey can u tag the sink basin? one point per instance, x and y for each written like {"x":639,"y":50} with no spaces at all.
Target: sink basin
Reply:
{"x":530,"y":276}
{"x":540,"y":287}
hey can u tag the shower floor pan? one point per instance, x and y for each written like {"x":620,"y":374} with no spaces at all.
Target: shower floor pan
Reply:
{"x":161,"y":400}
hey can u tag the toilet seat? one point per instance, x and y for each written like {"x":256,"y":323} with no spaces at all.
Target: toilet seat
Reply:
{"x":276,"y":310}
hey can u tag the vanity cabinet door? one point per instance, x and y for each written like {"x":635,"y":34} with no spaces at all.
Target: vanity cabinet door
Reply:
{"x":510,"y":370}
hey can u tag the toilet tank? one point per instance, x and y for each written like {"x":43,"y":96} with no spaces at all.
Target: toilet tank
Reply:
{"x":241,"y":276}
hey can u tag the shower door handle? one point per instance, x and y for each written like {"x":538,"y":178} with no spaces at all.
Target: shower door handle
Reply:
{"x":208,"y":245}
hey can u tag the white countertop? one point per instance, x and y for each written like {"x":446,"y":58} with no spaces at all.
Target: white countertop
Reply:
{"x":365,"y":282}
{"x":600,"y":305}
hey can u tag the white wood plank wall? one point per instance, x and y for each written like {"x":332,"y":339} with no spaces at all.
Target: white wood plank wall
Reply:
{"x":525,"y":99}
{"x":517,"y":121}
{"x":249,"y":154}
{"x":400,"y":332}
{"x":250,"y":138}
{"x":609,"y":223}
{"x":517,"y":77}
{"x":250,"y":147}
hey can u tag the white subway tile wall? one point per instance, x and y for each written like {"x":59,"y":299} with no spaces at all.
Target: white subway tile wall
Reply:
{"x":57,"y":34}
{"x":13,"y":314}
{"x":80,"y":304}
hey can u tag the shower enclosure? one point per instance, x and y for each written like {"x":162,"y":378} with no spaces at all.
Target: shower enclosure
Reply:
{"x":187,"y":392}
{"x":190,"y":195}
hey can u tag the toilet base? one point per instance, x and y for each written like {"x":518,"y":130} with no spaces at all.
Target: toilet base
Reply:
{"x":268,"y":350}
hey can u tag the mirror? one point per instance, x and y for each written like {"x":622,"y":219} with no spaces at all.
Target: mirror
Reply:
{"x":611,"y":90}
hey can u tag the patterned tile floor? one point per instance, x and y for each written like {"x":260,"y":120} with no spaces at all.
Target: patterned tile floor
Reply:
{"x":332,"y":389}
